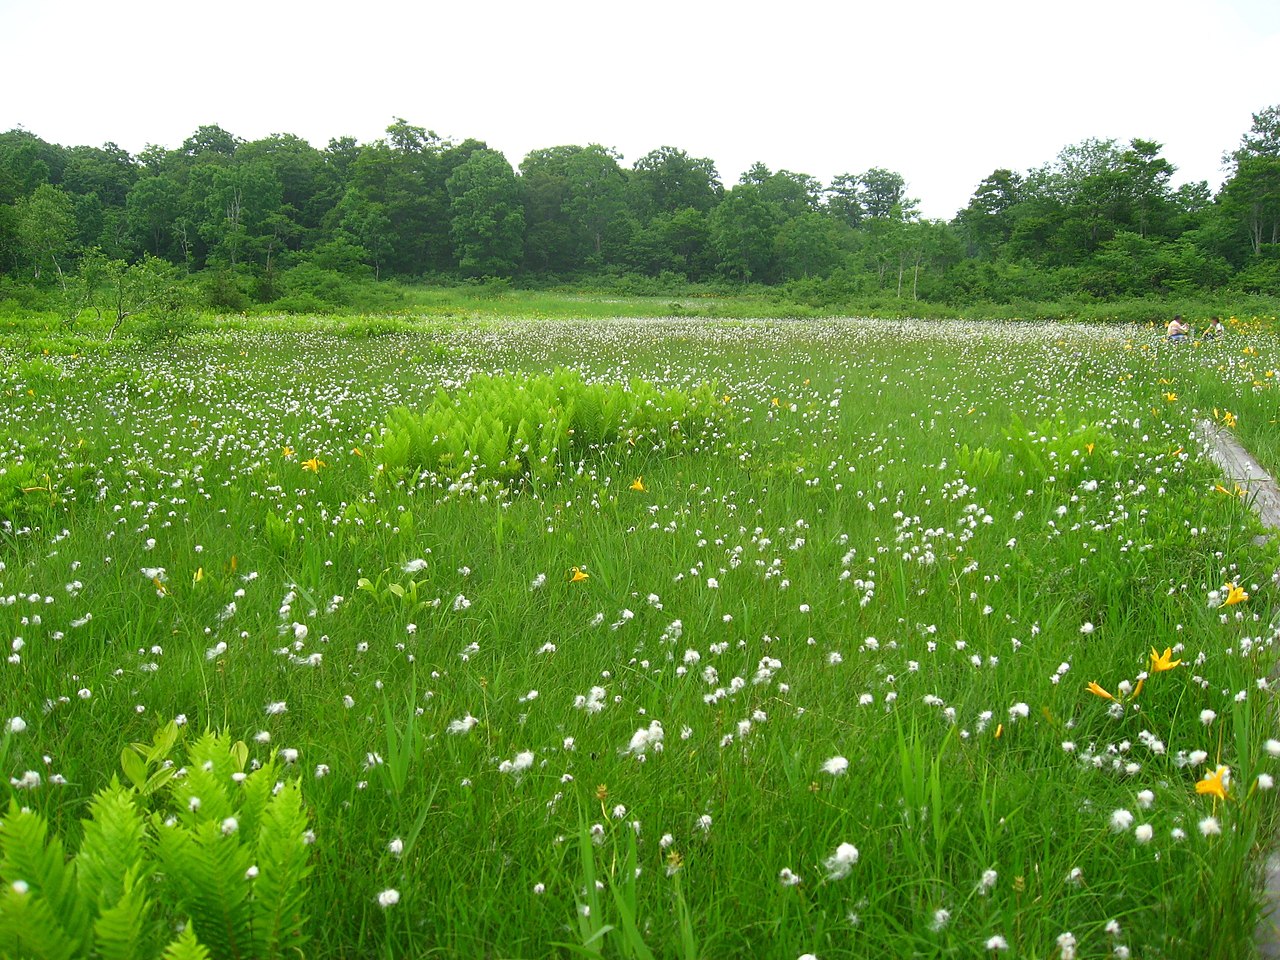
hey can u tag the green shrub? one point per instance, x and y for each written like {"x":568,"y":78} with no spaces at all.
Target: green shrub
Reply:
{"x":503,"y":428}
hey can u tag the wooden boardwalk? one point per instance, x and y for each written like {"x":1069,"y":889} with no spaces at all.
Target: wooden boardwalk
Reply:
{"x":1239,"y":466}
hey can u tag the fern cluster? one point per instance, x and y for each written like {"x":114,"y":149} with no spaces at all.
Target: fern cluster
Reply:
{"x":503,"y":428}
{"x":224,"y":856}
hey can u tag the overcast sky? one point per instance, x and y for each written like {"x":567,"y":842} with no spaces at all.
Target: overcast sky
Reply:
{"x":942,"y":91}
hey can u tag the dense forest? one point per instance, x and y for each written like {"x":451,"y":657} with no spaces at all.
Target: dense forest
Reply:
{"x":277,"y":221}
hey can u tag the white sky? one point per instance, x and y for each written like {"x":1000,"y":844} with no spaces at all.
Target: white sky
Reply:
{"x":942,"y":91}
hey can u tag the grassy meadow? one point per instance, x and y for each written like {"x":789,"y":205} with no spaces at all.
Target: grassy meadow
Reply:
{"x":639,"y":637}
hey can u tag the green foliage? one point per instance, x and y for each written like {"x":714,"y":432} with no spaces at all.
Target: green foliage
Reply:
{"x":503,"y":428}
{"x":1049,"y":446}
{"x":278,"y":532}
{"x":41,"y":483}
{"x":225,"y":847}
{"x":978,"y":463}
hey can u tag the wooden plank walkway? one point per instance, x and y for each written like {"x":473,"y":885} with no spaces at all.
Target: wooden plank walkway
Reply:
{"x":1239,"y":466}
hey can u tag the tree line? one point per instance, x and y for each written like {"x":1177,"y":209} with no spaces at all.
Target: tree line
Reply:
{"x":279,"y":220}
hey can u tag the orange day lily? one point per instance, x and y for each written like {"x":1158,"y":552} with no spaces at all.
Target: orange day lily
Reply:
{"x":1234,"y":595}
{"x":1215,"y":783}
{"x":1097,"y":691}
{"x":1161,"y":662}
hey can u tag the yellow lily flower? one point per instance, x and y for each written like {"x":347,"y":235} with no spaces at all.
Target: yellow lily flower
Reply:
{"x":1214,"y":783}
{"x":638,"y":485}
{"x":1161,"y":662}
{"x":314,"y":464}
{"x":287,"y":451}
{"x":1171,"y":396}
{"x":576,"y":575}
{"x":1234,"y":595}
{"x":1097,"y":691}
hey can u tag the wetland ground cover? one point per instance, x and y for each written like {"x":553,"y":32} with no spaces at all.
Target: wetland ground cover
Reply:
{"x":639,"y":637}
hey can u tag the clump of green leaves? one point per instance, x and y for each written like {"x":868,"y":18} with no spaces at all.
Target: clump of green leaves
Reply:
{"x":504,"y":428}
{"x":40,"y":482}
{"x":219,"y":849}
{"x":1044,"y":449}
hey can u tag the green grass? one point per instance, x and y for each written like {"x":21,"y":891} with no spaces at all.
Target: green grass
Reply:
{"x":910,"y":545}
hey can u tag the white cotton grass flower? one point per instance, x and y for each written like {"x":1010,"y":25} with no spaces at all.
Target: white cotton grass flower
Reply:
{"x":277,"y":707}
{"x":1210,"y":827}
{"x":388,"y":898}
{"x":1067,"y":945}
{"x":836,"y":766}
{"x":462,"y":726}
{"x":1265,"y":782}
{"x":997,"y":943}
{"x":1121,"y":820}
{"x":1208,"y":716}
{"x":988,"y":881}
{"x":840,"y":863}
{"x":414,"y":566}
{"x":16,"y":725}
{"x":941,"y":917}
{"x":395,"y":847}
{"x":521,"y":762}
{"x":788,"y":878}
{"x":1143,"y":832}
{"x":646,"y":739}
{"x":1272,"y":747}
{"x":229,"y":826}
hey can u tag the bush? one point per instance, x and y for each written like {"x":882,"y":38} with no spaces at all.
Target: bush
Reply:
{"x":503,"y":429}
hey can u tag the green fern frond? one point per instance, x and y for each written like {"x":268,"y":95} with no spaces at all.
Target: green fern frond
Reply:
{"x":29,"y":929}
{"x":252,"y":796}
{"x":283,"y":858}
{"x":112,"y":846}
{"x":122,"y":930}
{"x":205,"y":877}
{"x":28,"y":855}
{"x":186,"y":947}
